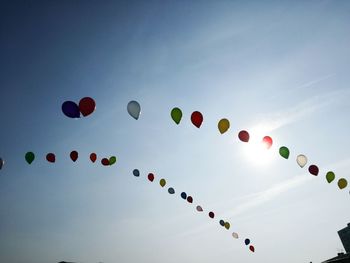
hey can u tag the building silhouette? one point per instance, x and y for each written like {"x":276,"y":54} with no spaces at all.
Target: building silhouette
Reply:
{"x":344,"y":235}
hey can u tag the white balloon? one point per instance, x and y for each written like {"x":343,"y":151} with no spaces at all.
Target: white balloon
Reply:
{"x":235,"y":235}
{"x":134,"y":109}
{"x":301,"y":160}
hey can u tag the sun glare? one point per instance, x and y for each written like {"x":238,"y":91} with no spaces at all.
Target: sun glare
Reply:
{"x":259,"y":149}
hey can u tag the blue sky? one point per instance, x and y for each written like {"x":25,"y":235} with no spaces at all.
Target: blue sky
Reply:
{"x":277,"y":68}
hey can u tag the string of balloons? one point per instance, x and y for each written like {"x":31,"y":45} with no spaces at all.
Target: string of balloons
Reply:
{"x":199,"y":208}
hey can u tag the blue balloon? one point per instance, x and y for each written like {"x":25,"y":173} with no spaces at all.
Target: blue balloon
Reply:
{"x":171,"y":191}
{"x":247,"y":241}
{"x":183,"y":195}
{"x":222,"y":222}
{"x":71,"y":109}
{"x":136,"y":173}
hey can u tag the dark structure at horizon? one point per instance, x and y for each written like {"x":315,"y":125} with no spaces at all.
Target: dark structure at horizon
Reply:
{"x":344,"y":235}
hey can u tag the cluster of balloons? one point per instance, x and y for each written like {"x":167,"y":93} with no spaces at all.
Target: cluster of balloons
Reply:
{"x":189,"y":199}
{"x":51,"y":157}
{"x":86,"y":106}
{"x":313,"y":169}
{"x":243,"y":135}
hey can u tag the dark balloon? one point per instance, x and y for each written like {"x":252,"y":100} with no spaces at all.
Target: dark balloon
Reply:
{"x":183,"y":195}
{"x":70,"y":109}
{"x":1,"y":163}
{"x":136,"y":173}
{"x":243,"y":136}
{"x":87,"y":106}
{"x":211,"y":215}
{"x":150,"y":177}
{"x":313,"y":169}
{"x":252,"y":248}
{"x":93,"y":157}
{"x":74,"y":156}
{"x":171,"y":191}
{"x":247,"y":241}
{"x":197,"y":119}
{"x":105,"y":162}
{"x":190,"y":199}
{"x":50,"y":157}
{"x":222,"y":222}
{"x":30,"y":156}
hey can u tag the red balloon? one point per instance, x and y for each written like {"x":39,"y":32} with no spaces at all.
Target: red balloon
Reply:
{"x":105,"y":161}
{"x":50,"y":157}
{"x":87,"y":106}
{"x":93,"y":157}
{"x":151,"y":177}
{"x":251,"y":248}
{"x":74,"y":156}
{"x":211,"y":215}
{"x":197,"y":118}
{"x":267,"y":140}
{"x":189,"y":199}
{"x":313,"y":169}
{"x":243,"y":136}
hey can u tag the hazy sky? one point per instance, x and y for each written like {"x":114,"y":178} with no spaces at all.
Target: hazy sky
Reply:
{"x":278,"y":68}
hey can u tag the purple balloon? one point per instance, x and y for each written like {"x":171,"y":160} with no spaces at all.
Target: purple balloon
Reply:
{"x":70,"y":109}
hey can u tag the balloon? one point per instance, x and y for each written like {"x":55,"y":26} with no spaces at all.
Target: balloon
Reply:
{"x":199,"y":208}
{"x":251,"y":248}
{"x":171,"y":191}
{"x":1,"y":163}
{"x":136,"y":172}
{"x":29,"y":157}
{"x":243,"y":136}
{"x":87,"y":106}
{"x":222,"y":222}
{"x":74,"y":156}
{"x":176,"y":115}
{"x":112,"y":160}
{"x":50,"y":157}
{"x":150,"y":177}
{"x":183,"y":195}
{"x":211,"y":214}
{"x":190,"y":199}
{"x":313,"y":169}
{"x":223,"y":125}
{"x":247,"y":241}
{"x":105,"y":162}
{"x":162,"y":182}
{"x":284,"y":152}
{"x":301,"y":160}
{"x":197,"y":119}
{"x":70,"y":109}
{"x":267,"y":141}
{"x":93,"y":157}
{"x":227,"y":225}
{"x":330,"y":176}
{"x":235,"y":235}
{"x":342,"y":183}
{"x":134,"y":109}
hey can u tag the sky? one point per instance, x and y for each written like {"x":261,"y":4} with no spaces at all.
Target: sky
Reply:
{"x":277,"y":68}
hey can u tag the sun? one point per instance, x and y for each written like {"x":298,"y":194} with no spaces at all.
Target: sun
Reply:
{"x":259,"y":148}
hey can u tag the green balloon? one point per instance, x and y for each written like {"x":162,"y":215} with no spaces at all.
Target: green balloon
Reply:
{"x":176,"y":115}
{"x":284,"y":152}
{"x":112,"y":160}
{"x":30,"y":157}
{"x":330,"y":176}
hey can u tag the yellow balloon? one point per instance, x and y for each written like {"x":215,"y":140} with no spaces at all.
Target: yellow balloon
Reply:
{"x":162,"y":182}
{"x":227,"y":225}
{"x":342,"y":183}
{"x":223,"y":125}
